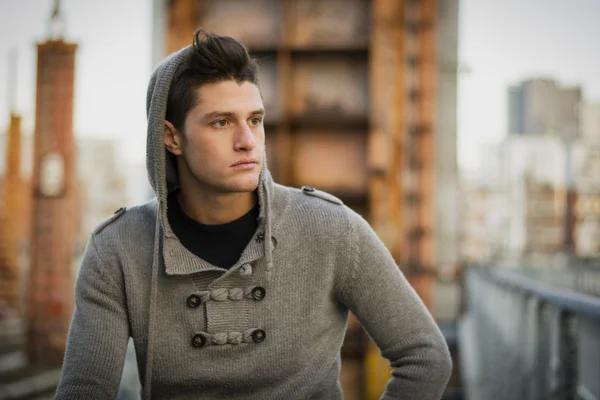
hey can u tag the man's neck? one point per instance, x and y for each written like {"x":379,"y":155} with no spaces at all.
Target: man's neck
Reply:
{"x":216,"y":209}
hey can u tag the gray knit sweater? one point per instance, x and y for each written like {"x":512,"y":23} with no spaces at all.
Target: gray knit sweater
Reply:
{"x":271,"y":327}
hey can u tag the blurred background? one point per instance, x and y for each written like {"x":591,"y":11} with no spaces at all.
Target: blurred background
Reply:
{"x":466,"y":131}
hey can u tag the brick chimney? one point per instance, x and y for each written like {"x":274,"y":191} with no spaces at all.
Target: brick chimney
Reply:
{"x":11,"y":232}
{"x":50,"y":294}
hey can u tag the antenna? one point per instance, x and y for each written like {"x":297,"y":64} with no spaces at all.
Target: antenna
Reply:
{"x":56,"y":11}
{"x":12,"y":79}
{"x":57,"y":22}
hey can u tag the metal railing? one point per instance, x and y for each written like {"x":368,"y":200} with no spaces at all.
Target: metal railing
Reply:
{"x":524,"y":339}
{"x":577,"y":276}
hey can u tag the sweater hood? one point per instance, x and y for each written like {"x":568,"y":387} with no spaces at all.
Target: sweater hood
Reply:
{"x":160,"y":165}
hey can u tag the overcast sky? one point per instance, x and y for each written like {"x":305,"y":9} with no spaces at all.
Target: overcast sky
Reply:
{"x":500,"y":41}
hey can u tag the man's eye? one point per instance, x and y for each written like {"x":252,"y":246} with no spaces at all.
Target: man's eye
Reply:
{"x":256,"y":121}
{"x":222,"y":123}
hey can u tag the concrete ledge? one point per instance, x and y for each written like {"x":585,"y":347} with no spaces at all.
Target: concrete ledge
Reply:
{"x":12,"y":361}
{"x":29,"y":381}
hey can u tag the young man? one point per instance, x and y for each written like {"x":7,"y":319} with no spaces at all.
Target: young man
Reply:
{"x":231,"y":285}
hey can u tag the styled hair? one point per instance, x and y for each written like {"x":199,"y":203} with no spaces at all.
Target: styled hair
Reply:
{"x":211,"y":58}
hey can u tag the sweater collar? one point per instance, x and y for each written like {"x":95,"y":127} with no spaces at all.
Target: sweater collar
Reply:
{"x":163,"y":178}
{"x":272,"y":202}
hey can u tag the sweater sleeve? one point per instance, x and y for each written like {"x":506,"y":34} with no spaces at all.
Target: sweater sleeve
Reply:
{"x":394,"y":316}
{"x":99,"y":332}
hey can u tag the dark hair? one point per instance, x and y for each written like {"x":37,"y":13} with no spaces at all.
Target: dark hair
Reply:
{"x":212,"y":58}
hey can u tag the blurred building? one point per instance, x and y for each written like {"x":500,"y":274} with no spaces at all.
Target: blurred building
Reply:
{"x":54,"y":190}
{"x":517,"y":207}
{"x":588,"y":213}
{"x":34,"y":341}
{"x":103,"y":187}
{"x":54,"y":205}
{"x":13,"y":202}
{"x":102,"y":180}
{"x":590,"y":123}
{"x":544,"y":172}
{"x":138,"y":188}
{"x":544,"y":219}
{"x":535,"y":181}
{"x":484,"y":215}
{"x":16,"y":163}
{"x":475,"y":246}
{"x":361,"y":102}
{"x":588,"y":186}
{"x":13,"y":190}
{"x":540,"y":107}
{"x":105,"y":183}
{"x":518,"y":200}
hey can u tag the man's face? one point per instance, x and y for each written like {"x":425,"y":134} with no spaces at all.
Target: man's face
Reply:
{"x":224,"y":128}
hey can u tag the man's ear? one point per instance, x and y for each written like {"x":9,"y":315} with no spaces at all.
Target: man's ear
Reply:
{"x":172,"y":139}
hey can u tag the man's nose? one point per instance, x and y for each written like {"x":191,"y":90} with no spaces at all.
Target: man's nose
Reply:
{"x":245,"y":138}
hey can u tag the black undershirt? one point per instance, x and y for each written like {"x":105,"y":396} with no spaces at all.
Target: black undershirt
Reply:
{"x":221,"y":245}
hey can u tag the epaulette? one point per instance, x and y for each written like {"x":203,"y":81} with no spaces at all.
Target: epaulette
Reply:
{"x":109,"y":220}
{"x":311,"y":191}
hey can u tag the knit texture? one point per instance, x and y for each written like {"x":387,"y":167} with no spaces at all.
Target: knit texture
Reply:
{"x":270,"y":327}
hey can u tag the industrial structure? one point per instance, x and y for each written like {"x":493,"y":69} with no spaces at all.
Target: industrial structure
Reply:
{"x":11,"y":220}
{"x":49,"y":300}
{"x":361,"y":102}
{"x":53,"y":190}
{"x":40,"y":218}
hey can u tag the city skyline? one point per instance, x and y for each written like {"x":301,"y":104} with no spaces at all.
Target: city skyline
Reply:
{"x":547,"y":40}
{"x":505,"y":43}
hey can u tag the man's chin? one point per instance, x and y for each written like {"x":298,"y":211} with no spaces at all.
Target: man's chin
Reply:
{"x":244,"y":185}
